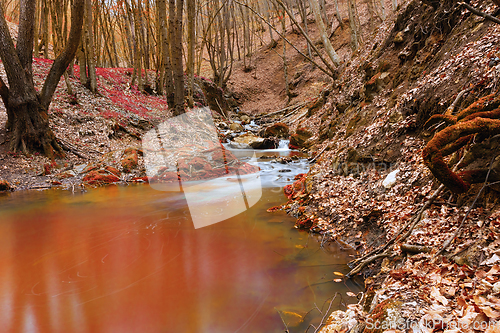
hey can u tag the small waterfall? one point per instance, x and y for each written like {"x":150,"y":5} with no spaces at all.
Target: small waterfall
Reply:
{"x":283,"y":144}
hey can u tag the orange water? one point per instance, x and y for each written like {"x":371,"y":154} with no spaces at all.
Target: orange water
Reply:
{"x":127,"y":259}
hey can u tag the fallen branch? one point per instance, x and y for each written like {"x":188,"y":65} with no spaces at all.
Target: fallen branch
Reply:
{"x":359,"y":267}
{"x":480,"y":13}
{"x":312,"y":160}
{"x":283,"y":320}
{"x":411,"y":248}
{"x":69,"y":147}
{"x":292,"y":107}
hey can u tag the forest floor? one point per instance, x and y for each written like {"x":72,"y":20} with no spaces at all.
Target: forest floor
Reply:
{"x":366,"y":131}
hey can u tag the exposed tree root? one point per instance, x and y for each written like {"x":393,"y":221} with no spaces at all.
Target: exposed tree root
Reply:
{"x":31,"y":132}
{"x":479,"y":119}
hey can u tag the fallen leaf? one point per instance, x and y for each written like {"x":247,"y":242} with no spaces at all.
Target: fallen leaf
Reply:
{"x":351,"y":294}
{"x":437,"y":296}
{"x":338,"y":273}
{"x":492,"y":314}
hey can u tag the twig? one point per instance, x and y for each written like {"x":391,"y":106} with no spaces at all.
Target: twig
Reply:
{"x":312,"y":160}
{"x":360,"y":266}
{"x":459,"y":229}
{"x":480,"y":13}
{"x":222,"y":111}
{"x":281,"y":317}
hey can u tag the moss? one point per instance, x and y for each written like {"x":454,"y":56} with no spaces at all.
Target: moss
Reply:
{"x":98,"y":178}
{"x":451,"y":139}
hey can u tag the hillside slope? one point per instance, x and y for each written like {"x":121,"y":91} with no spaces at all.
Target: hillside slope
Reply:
{"x":371,"y":191}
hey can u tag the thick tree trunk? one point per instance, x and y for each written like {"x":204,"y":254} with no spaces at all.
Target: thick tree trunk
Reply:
{"x":27,"y":111}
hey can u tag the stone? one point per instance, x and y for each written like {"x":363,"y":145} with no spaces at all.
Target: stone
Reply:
{"x":4,"y":186}
{"x":235,"y":127}
{"x":244,"y":141}
{"x":249,"y":140}
{"x":278,"y":130}
{"x":266,"y":143}
{"x":390,"y":180}
{"x":399,"y":38}
{"x":299,"y":139}
{"x":131,"y":159}
{"x":395,"y":117}
{"x":245,"y":119}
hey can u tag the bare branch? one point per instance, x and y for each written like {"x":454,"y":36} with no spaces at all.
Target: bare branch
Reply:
{"x":480,"y":13}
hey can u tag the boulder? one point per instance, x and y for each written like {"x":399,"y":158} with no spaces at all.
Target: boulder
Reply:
{"x":249,"y":140}
{"x":278,"y":130}
{"x":245,"y":119}
{"x":235,"y":127}
{"x":130,"y":160}
{"x":266,"y":143}
{"x":300,"y":137}
{"x":399,"y":38}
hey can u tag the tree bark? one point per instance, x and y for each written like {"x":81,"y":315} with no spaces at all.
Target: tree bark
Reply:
{"x":324,"y":35}
{"x":191,"y":11}
{"x":27,"y":111}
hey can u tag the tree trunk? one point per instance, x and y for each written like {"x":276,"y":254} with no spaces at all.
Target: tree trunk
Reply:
{"x":166,"y":61}
{"x":175,"y":27}
{"x":191,"y":11}
{"x":89,"y":48}
{"x":27,"y":111}
{"x":322,"y":31}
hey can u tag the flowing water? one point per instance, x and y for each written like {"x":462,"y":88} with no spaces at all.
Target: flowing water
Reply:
{"x":128,"y":259}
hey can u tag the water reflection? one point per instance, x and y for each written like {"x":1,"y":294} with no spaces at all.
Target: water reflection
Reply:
{"x":127,"y":259}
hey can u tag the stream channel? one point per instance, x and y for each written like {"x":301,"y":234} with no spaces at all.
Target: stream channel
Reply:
{"x":128,"y":259}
